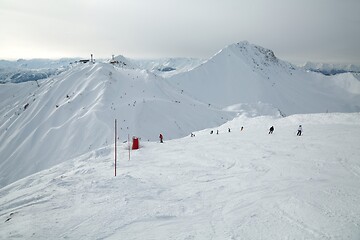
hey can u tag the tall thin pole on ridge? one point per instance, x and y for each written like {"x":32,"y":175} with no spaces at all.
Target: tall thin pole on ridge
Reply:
{"x":115,"y":144}
{"x":129,"y":145}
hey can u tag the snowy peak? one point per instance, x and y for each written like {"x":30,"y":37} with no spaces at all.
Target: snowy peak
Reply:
{"x":244,"y":73}
{"x":255,"y":56}
{"x":124,"y":62}
{"x":247,"y":49}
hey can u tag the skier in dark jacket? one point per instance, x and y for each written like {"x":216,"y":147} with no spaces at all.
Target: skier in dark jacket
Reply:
{"x":299,"y":130}
{"x":271,"y":130}
{"x":161,"y":138}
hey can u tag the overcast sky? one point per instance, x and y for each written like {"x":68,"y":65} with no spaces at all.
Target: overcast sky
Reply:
{"x":296,"y":30}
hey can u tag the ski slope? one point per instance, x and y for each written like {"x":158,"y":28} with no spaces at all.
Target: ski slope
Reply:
{"x":238,"y":185}
{"x":74,"y":113}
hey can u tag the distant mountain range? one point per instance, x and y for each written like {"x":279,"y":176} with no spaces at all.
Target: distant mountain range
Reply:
{"x":23,"y":70}
{"x":331,"y":69}
{"x":37,"y":69}
{"x":32,"y":70}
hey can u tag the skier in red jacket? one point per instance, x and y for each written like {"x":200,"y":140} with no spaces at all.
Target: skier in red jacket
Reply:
{"x":161,"y":138}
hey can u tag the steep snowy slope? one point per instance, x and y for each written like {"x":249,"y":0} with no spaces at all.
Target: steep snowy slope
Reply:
{"x":347,"y":81}
{"x":238,"y":185}
{"x":74,"y":113}
{"x":249,"y":74}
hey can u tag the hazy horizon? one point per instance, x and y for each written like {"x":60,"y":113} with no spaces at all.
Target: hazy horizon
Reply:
{"x":297,"y":31}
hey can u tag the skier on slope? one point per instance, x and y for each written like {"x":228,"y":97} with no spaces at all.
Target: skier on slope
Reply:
{"x":161,"y":138}
{"x":299,"y":130}
{"x":271,"y":130}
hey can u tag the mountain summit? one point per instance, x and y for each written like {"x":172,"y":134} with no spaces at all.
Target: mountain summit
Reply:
{"x":245,"y":73}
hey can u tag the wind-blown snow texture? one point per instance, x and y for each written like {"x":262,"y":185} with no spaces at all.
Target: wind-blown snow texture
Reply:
{"x":238,"y":185}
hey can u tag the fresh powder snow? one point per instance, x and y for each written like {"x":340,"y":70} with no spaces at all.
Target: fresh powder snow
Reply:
{"x":232,"y":185}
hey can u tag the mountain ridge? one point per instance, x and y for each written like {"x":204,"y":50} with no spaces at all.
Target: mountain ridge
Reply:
{"x":76,"y":111}
{"x":246,"y":73}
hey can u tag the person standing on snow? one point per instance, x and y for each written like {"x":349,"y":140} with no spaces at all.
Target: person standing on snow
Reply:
{"x":161,"y":138}
{"x":271,"y":130}
{"x":299,"y":130}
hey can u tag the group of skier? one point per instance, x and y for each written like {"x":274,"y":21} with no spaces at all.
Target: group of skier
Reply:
{"x":271,"y":130}
{"x":299,"y":131}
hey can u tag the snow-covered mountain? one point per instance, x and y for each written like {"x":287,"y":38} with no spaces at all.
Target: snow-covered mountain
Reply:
{"x":249,"y":74}
{"x":74,"y":113}
{"x":57,"y":134}
{"x":238,"y":185}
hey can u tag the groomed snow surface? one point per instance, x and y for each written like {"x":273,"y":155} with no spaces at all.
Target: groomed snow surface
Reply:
{"x":232,"y":185}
